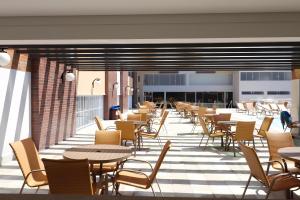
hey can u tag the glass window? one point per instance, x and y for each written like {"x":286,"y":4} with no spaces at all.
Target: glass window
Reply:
{"x":249,"y":76}
{"x":255,"y":76}
{"x":265,"y":76}
{"x":287,"y":76}
{"x":280,"y":75}
{"x":275,"y":76}
{"x":243,"y":76}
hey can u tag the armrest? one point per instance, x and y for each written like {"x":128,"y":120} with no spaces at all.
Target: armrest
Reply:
{"x":34,"y":171}
{"x":110,"y":127}
{"x":133,"y":171}
{"x":138,"y":160}
{"x":274,"y":161}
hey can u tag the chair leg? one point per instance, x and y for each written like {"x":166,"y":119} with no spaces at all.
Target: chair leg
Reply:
{"x":134,"y":143}
{"x":268,"y":193}
{"x":159,"y":142}
{"x":262,"y":142}
{"x":117,"y":188}
{"x":159,"y":187}
{"x":201,"y":140}
{"x":165,"y":129}
{"x":22,"y":187}
{"x":38,"y":188}
{"x":248,"y":182}
{"x":253,"y":144}
{"x":233,"y":148}
{"x":206,"y":142}
{"x":153,"y":191}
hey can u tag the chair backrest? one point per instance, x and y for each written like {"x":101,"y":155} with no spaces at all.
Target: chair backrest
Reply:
{"x":240,"y":106}
{"x":265,"y":126}
{"x":68,"y":176}
{"x":99,"y":123}
{"x":108,"y":137}
{"x":244,"y":131}
{"x":121,"y":116}
{"x":254,"y":164}
{"x":273,"y":106}
{"x":163,"y":110}
{"x":202,"y":111}
{"x":221,"y":117}
{"x":127,"y":129}
{"x":28,"y":158}
{"x":163,"y":119}
{"x":277,"y":141}
{"x":137,"y":117}
{"x":162,"y":155}
{"x":203,"y":125}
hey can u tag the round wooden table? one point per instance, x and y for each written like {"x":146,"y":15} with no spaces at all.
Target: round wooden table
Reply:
{"x":98,"y":153}
{"x":230,"y":122}
{"x":290,"y":153}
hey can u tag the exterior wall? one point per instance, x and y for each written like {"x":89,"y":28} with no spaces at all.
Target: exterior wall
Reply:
{"x":53,"y":103}
{"x":195,"y":82}
{"x":124,"y":91}
{"x":111,"y":96}
{"x":236,"y":86}
{"x":15,"y":98}
{"x":283,"y":85}
{"x":295,"y":110}
{"x":85,"y":80}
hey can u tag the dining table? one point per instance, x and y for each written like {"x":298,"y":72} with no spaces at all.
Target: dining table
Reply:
{"x":228,"y":123}
{"x":99,"y":154}
{"x":290,"y":153}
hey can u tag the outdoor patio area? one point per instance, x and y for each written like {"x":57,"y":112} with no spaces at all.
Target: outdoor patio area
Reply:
{"x":188,"y":170}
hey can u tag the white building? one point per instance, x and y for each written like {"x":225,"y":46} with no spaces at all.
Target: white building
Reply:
{"x":209,"y":87}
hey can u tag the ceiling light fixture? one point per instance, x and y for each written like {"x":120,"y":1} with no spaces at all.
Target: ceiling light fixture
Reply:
{"x":96,"y":81}
{"x":4,"y":58}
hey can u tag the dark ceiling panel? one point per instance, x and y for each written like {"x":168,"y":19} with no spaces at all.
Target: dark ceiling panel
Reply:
{"x":170,"y":57}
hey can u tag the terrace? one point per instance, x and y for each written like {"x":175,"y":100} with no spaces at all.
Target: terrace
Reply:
{"x":187,"y":171}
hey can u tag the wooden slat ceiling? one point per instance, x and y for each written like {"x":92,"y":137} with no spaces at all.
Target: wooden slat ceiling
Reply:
{"x":171,"y":57}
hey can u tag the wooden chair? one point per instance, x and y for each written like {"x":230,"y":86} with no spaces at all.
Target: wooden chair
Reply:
{"x":106,"y":137}
{"x":128,"y":132}
{"x":154,"y":134}
{"x":30,"y":163}
{"x":275,"y":142}
{"x":121,"y":115}
{"x":274,"y":108}
{"x":220,"y":117}
{"x":138,"y":178}
{"x":244,"y":132}
{"x":69,"y":177}
{"x":264,"y":128}
{"x":100,"y":124}
{"x":274,"y":182}
{"x":208,"y":133}
{"x":241,"y":107}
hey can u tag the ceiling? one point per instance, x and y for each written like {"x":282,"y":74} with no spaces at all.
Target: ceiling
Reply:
{"x":134,"y":7}
{"x":171,"y":57}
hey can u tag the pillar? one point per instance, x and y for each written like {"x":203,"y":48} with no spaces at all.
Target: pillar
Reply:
{"x":295,"y":110}
{"x":111,"y":95}
{"x":124,"y":91}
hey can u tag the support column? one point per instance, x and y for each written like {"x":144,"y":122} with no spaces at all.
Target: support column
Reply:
{"x":295,"y":110}
{"x":111,"y":95}
{"x":124,"y":91}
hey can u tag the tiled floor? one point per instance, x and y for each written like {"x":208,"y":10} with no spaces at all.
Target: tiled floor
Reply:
{"x":188,"y":170}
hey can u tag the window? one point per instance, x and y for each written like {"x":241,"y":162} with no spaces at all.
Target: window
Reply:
{"x":278,"y":92}
{"x":164,"y":79}
{"x":253,"y":93}
{"x":265,"y":76}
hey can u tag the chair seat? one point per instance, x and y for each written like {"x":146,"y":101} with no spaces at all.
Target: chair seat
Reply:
{"x":216,"y":134}
{"x":106,"y":167}
{"x":37,"y":179}
{"x":133,"y":178}
{"x":149,"y":135}
{"x":283,"y":182}
{"x":290,"y":165}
